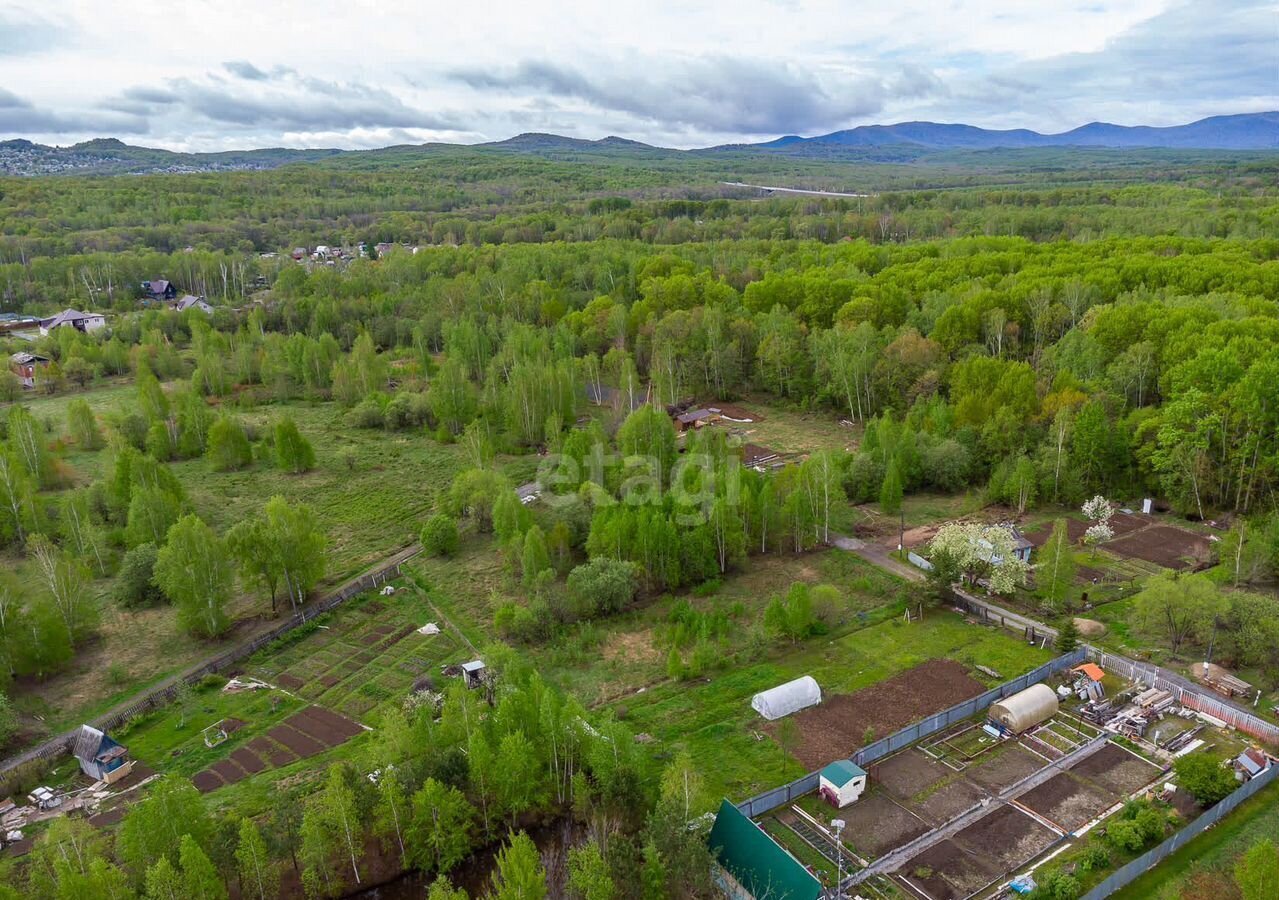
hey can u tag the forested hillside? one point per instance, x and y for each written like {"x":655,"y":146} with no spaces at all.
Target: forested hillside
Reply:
{"x":177,"y":482}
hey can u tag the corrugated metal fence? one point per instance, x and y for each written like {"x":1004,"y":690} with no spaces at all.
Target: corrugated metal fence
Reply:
{"x":1187,"y":695}
{"x":159,"y":696}
{"x":778,"y":796}
{"x":1142,"y":864}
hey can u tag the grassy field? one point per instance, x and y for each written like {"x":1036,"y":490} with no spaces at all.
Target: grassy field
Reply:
{"x":371,"y":490}
{"x":711,"y":718}
{"x":609,"y":659}
{"x":1202,"y":870}
{"x":789,"y":431}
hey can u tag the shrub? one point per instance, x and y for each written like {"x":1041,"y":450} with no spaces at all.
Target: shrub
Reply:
{"x":439,"y":535}
{"x":527,"y":624}
{"x":369,"y":413}
{"x":600,"y":587}
{"x":136,"y":586}
{"x":8,"y":721}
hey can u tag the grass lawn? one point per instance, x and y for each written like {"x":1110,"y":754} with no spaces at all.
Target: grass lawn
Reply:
{"x":711,"y":718}
{"x":371,"y":491}
{"x":612,"y":658}
{"x":1202,"y":869}
{"x":789,"y":431}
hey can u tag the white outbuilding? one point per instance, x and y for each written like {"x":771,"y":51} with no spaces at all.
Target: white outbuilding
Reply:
{"x":787,"y":698}
{"x":1025,"y":709}
{"x":841,"y":782}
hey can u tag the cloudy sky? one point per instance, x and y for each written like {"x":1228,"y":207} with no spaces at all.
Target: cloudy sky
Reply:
{"x":196,"y":75}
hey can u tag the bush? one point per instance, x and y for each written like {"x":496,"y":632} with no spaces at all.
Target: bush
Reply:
{"x":527,"y":624}
{"x":439,"y":535}
{"x":368,"y":413}
{"x":135,"y":586}
{"x":1205,"y":777}
{"x":600,"y":587}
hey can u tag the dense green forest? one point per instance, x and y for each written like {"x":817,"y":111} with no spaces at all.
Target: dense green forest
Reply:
{"x":1035,"y":337}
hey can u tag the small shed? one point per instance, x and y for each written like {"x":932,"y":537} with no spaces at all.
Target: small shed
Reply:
{"x":775,"y":703}
{"x":841,"y":782}
{"x":1251,"y":763}
{"x":101,"y":758}
{"x":473,"y":672}
{"x":1025,"y":709}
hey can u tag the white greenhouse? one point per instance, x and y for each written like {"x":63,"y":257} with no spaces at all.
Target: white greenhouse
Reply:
{"x":1025,"y":709}
{"x":787,"y":698}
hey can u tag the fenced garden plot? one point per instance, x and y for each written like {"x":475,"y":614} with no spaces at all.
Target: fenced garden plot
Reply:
{"x":959,"y":747}
{"x":1058,"y":736}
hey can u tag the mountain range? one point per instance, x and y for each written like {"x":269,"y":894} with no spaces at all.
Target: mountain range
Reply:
{"x":902,"y":142}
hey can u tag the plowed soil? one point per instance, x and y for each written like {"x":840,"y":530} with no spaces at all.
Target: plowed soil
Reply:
{"x":1069,"y":802}
{"x":1117,"y":770}
{"x":295,"y":740}
{"x":837,"y":727}
{"x":1163,"y":545}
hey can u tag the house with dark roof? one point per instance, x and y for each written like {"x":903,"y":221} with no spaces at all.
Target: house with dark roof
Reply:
{"x":159,"y":290}
{"x":73,"y":318}
{"x":101,"y":758}
{"x":24,"y":366}
{"x":694,"y":418}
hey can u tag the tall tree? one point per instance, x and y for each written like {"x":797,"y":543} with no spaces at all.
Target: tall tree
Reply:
{"x":259,"y":875}
{"x":64,"y":579}
{"x":200,"y":879}
{"x":1055,"y":573}
{"x":439,"y":835}
{"x":194,"y":571}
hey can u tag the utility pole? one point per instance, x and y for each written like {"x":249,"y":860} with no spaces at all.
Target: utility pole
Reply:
{"x":838,"y":826}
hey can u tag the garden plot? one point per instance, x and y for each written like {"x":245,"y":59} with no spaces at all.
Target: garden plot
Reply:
{"x":1068,"y":801}
{"x":1059,"y":736}
{"x":877,"y":824}
{"x":958,"y":747}
{"x":1163,"y":545}
{"x":840,"y":724}
{"x":1117,"y":769}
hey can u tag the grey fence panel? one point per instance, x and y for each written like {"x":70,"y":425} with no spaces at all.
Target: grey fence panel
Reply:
{"x":1142,"y":864}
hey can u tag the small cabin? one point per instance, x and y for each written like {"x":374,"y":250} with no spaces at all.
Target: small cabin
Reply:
{"x":24,"y":366}
{"x":841,"y":783}
{"x":159,"y":290}
{"x":101,"y":758}
{"x":190,"y":301}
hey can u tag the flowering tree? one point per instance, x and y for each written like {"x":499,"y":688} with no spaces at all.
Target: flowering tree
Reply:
{"x":981,"y":552}
{"x":1098,"y":510}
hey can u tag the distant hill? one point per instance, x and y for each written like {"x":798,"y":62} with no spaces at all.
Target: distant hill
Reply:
{"x":109,"y":156}
{"x":901,"y":143}
{"x":1254,"y":131}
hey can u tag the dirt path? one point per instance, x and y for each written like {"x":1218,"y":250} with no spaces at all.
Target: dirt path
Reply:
{"x":877,"y":557}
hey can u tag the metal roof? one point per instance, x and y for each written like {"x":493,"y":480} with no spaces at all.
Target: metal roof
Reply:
{"x":756,"y":861}
{"x":842,"y":771}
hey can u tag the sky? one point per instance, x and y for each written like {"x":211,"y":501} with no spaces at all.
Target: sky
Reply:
{"x":197,"y":75}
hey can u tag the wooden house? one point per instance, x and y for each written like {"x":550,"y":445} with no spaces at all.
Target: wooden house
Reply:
{"x":24,"y":366}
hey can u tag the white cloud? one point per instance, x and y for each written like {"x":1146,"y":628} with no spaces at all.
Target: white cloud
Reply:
{"x":234,"y":73}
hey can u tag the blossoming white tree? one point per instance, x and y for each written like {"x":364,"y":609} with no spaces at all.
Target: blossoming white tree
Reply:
{"x":981,"y":552}
{"x":1098,"y":510}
